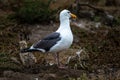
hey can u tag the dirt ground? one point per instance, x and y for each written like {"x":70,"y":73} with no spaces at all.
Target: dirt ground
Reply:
{"x":96,"y":67}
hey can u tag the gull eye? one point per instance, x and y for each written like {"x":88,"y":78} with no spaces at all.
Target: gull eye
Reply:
{"x":68,"y":12}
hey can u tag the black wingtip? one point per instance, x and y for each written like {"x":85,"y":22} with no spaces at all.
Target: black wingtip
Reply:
{"x":28,"y":50}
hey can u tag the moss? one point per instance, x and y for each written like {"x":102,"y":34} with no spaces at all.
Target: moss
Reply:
{"x":35,"y":11}
{"x":117,"y":21}
{"x":97,"y":18}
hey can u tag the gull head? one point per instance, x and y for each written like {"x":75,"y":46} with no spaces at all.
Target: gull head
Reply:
{"x":66,"y":14}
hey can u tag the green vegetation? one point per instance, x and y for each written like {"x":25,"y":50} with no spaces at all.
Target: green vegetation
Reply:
{"x":35,"y":11}
{"x":29,"y":11}
{"x":118,"y":20}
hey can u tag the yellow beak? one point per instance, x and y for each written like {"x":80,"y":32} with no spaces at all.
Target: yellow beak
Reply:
{"x":73,"y":16}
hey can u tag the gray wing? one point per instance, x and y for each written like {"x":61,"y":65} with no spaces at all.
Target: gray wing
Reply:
{"x":47,"y":42}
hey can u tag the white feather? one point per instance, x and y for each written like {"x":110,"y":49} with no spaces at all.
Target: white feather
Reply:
{"x":65,"y":33}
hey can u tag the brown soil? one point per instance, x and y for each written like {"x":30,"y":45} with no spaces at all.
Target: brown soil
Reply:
{"x":99,"y":65}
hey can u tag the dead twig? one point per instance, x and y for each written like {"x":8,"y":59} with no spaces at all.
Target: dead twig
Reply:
{"x":27,"y":58}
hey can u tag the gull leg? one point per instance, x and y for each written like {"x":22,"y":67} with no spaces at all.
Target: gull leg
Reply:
{"x":57,"y":59}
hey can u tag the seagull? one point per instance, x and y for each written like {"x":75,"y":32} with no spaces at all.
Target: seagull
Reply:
{"x":57,"y":41}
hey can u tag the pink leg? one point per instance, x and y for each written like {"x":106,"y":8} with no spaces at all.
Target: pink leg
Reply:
{"x":57,"y":59}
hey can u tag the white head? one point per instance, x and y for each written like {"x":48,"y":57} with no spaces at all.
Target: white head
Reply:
{"x":66,"y":14}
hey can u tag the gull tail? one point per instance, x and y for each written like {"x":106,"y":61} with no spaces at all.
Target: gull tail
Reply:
{"x":28,"y":50}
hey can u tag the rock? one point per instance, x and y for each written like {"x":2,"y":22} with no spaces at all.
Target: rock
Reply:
{"x":27,"y":58}
{"x":50,"y":76}
{"x":8,"y":74}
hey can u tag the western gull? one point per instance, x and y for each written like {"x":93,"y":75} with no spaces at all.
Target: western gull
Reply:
{"x":57,"y":41}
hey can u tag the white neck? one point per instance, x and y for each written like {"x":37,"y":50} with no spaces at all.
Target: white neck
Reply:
{"x":64,"y":24}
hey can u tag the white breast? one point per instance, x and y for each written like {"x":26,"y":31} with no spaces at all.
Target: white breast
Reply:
{"x":65,"y":42}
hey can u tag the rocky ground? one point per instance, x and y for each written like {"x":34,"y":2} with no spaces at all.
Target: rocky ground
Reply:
{"x":94,"y":63}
